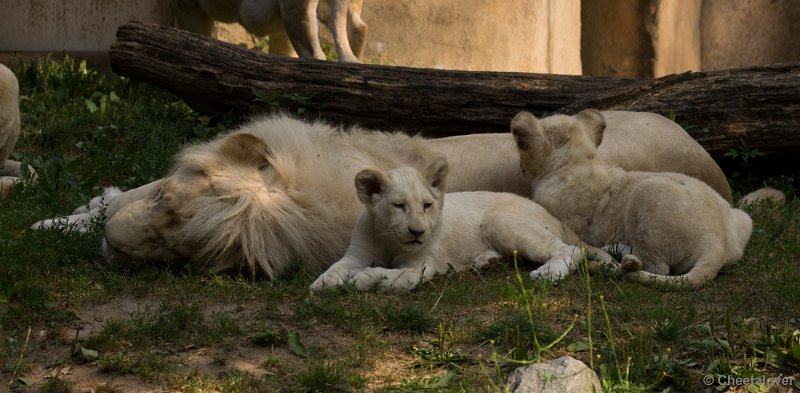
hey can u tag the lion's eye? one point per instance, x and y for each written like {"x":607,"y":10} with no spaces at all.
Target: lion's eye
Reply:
{"x":400,"y":206}
{"x":427,"y":206}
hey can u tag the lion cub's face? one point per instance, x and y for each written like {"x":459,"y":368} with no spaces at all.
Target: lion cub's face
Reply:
{"x":551,"y":142}
{"x":404,"y":205}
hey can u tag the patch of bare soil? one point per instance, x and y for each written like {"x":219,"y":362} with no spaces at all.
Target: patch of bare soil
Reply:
{"x":49,"y":352}
{"x":49,"y":349}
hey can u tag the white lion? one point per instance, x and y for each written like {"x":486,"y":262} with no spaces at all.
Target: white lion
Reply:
{"x":10,"y":170}
{"x":678,"y":227}
{"x":272,"y":193}
{"x":406,"y":232}
{"x":291,"y":24}
{"x":276,"y":195}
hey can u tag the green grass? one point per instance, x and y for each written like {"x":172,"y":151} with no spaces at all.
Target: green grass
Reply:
{"x":62,"y":306}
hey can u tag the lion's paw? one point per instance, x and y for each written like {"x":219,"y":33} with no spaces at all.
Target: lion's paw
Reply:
{"x":486,"y":259}
{"x":394,"y":280}
{"x":327,"y":280}
{"x":550,"y":271}
{"x":631,"y":263}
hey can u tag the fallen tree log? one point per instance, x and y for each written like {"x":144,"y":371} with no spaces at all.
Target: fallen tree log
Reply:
{"x":760,"y":105}
{"x":216,"y":77}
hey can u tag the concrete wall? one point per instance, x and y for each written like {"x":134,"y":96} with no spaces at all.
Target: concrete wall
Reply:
{"x":748,"y":32}
{"x":79,"y":26}
{"x":614,"y":38}
{"x":515,"y":35}
{"x":640,"y":38}
{"x":476,"y":35}
{"x":512,"y":35}
{"x":675,"y":36}
{"x":629,"y":38}
{"x":644,"y":38}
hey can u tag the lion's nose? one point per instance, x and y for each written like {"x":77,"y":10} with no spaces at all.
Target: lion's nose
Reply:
{"x":416,"y":233}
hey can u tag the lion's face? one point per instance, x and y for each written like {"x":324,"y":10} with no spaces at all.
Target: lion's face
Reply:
{"x":158,"y":226}
{"x":404,"y":205}
{"x":149,"y":228}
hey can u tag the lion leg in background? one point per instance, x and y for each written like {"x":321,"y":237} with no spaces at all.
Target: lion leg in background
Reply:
{"x":258,"y":17}
{"x":190,"y":16}
{"x":263,"y":18}
{"x":280,"y":44}
{"x":356,"y":28}
{"x":346,"y":24}
{"x":291,"y":25}
{"x":302,"y":27}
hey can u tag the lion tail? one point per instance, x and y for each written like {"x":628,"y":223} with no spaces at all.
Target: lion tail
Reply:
{"x":692,"y":279}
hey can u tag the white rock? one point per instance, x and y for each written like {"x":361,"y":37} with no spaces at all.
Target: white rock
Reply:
{"x":564,"y":374}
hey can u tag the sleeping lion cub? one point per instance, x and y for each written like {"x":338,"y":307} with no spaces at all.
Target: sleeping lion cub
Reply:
{"x":406,"y":233}
{"x":680,"y":230}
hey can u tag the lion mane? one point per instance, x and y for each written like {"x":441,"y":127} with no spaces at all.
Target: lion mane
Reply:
{"x":242,"y":202}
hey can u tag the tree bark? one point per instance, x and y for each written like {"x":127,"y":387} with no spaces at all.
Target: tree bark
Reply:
{"x":719,"y":109}
{"x":216,"y":77}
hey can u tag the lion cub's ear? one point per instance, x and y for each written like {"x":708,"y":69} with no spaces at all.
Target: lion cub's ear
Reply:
{"x":593,"y":122}
{"x":368,"y":183}
{"x":436,"y":173}
{"x":245,"y":149}
{"x":527,"y":131}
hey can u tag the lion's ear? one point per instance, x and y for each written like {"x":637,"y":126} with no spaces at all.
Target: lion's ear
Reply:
{"x":245,"y":149}
{"x":593,"y":122}
{"x":436,"y":173}
{"x":527,"y":131}
{"x":368,"y":183}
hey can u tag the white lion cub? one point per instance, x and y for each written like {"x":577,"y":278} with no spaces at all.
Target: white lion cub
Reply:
{"x":674,"y":223}
{"x":406,"y":233}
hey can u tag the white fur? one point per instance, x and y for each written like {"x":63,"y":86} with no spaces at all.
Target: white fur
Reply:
{"x":82,"y":217}
{"x":678,"y":227}
{"x":307,"y":173}
{"x":291,"y":24}
{"x":409,"y":231}
{"x":777,"y":197}
{"x":10,"y":170}
{"x":271,"y":195}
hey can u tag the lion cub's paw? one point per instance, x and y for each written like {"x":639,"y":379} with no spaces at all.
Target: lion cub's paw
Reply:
{"x":631,"y":263}
{"x":486,"y":260}
{"x":550,"y":271}
{"x":327,"y":280}
{"x":392,"y":280}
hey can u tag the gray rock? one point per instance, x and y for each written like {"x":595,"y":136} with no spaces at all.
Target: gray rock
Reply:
{"x":564,"y":374}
